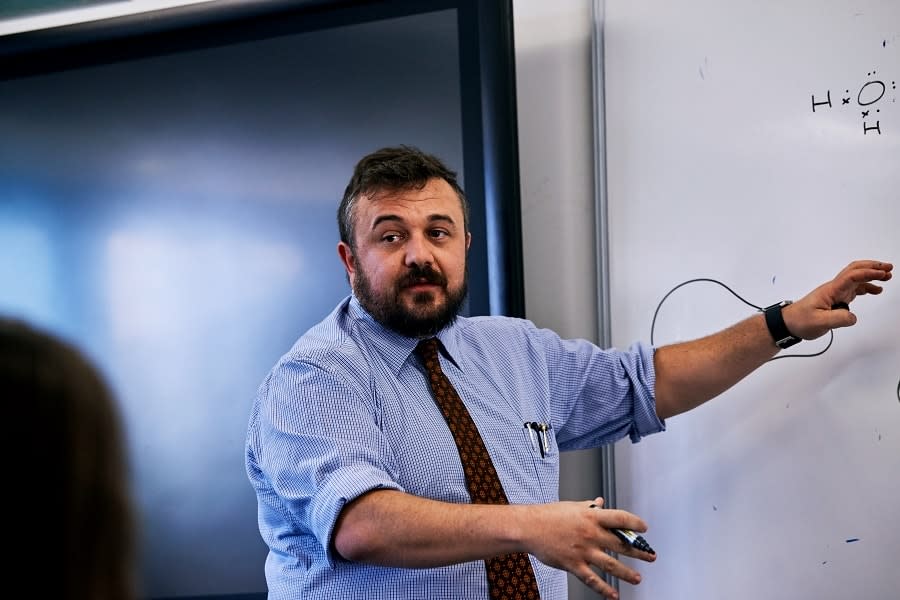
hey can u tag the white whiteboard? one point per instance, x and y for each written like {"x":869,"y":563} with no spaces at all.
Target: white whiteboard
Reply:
{"x":723,"y":162}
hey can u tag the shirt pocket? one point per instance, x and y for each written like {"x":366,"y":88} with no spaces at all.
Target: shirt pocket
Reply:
{"x":541,"y":446}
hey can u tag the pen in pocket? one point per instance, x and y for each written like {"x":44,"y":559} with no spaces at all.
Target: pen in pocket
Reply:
{"x":539,"y":431}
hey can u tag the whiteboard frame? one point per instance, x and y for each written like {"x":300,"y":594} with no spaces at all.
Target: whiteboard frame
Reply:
{"x":604,"y":335}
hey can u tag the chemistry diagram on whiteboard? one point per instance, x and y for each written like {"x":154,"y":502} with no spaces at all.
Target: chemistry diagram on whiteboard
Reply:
{"x":866,"y":100}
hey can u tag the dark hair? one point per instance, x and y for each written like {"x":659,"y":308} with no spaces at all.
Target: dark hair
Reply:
{"x":71,"y":470}
{"x":389,"y":169}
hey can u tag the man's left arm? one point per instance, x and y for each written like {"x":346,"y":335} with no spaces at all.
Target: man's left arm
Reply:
{"x":690,"y":373}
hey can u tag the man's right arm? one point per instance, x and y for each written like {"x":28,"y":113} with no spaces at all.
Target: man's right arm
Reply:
{"x":392,"y":528}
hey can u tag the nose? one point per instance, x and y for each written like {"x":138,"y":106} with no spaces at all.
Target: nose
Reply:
{"x":418,"y":251}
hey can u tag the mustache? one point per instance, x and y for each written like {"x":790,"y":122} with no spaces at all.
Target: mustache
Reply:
{"x":426,"y":274}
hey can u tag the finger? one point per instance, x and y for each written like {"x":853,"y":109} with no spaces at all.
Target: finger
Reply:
{"x":589,"y":578}
{"x":868,"y":288}
{"x":843,"y":318}
{"x":868,"y":264}
{"x":862,"y":279}
{"x":614,"y":567}
{"x":611,"y":518}
{"x":856,"y":284}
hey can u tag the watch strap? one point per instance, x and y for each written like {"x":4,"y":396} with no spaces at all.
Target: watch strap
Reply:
{"x":775,"y":322}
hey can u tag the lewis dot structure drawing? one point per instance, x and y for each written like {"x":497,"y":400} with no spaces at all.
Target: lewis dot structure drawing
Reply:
{"x":865,"y":98}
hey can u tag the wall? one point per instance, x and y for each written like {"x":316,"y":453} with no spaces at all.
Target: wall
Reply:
{"x":555,"y":112}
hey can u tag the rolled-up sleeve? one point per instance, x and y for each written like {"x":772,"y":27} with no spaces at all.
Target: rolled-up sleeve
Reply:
{"x":320,"y":446}
{"x":599,"y":396}
{"x":638,"y":364}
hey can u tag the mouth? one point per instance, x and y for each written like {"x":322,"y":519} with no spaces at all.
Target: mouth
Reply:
{"x":422,"y":285}
{"x":422,"y":280}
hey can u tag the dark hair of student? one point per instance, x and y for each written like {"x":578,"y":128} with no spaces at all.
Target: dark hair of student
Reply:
{"x":68,"y":471}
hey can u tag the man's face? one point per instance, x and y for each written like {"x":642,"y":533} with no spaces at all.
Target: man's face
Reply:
{"x":409,"y":266}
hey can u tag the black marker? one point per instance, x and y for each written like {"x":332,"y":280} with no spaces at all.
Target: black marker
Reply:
{"x":631,"y":538}
{"x":837,"y":305}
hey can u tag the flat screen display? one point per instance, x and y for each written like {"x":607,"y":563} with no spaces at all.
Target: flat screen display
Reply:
{"x":174,"y":215}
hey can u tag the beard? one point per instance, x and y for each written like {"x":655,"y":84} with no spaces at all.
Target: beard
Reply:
{"x":424,"y":318}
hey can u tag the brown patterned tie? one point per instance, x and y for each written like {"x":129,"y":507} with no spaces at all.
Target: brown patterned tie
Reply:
{"x":510,"y":576}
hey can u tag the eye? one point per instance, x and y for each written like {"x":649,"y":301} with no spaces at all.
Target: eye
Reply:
{"x":390,"y":238}
{"x":439,"y":233}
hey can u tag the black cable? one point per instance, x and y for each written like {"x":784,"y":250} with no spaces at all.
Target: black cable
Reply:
{"x":738,"y":296}
{"x":822,"y":351}
{"x":684,"y":283}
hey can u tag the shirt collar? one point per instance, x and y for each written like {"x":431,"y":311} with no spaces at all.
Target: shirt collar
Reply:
{"x":396,"y":348}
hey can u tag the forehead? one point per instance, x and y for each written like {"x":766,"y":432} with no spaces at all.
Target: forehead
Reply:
{"x":436,"y":197}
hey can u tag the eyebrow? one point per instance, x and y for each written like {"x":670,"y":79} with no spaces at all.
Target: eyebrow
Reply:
{"x":431,"y":218}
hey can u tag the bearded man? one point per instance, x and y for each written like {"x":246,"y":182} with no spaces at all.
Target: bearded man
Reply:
{"x":400,"y":450}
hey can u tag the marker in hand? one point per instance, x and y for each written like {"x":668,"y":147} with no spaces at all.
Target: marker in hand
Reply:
{"x":634,"y":540}
{"x":631,"y":538}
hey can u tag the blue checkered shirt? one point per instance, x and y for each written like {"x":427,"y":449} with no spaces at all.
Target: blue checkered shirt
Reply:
{"x":348,"y":410}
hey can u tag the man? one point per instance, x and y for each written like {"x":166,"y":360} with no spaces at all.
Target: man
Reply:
{"x":387,"y":465}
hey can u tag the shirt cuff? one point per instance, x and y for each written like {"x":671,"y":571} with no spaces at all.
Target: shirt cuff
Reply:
{"x":341,"y":488}
{"x":646,"y":421}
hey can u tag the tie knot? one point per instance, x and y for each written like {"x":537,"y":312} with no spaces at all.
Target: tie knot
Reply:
{"x":427,"y":349}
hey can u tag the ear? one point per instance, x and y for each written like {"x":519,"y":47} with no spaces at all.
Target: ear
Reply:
{"x":468,"y":240}
{"x":347,"y":258}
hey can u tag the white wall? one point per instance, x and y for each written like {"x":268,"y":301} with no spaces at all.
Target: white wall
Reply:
{"x":553,"y":79}
{"x":555,"y":112}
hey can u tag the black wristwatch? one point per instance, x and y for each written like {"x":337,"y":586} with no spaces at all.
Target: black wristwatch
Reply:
{"x":775,"y":322}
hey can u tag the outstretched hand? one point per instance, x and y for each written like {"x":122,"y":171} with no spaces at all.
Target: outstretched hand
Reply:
{"x":813,"y":315}
{"x":577,"y":537}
